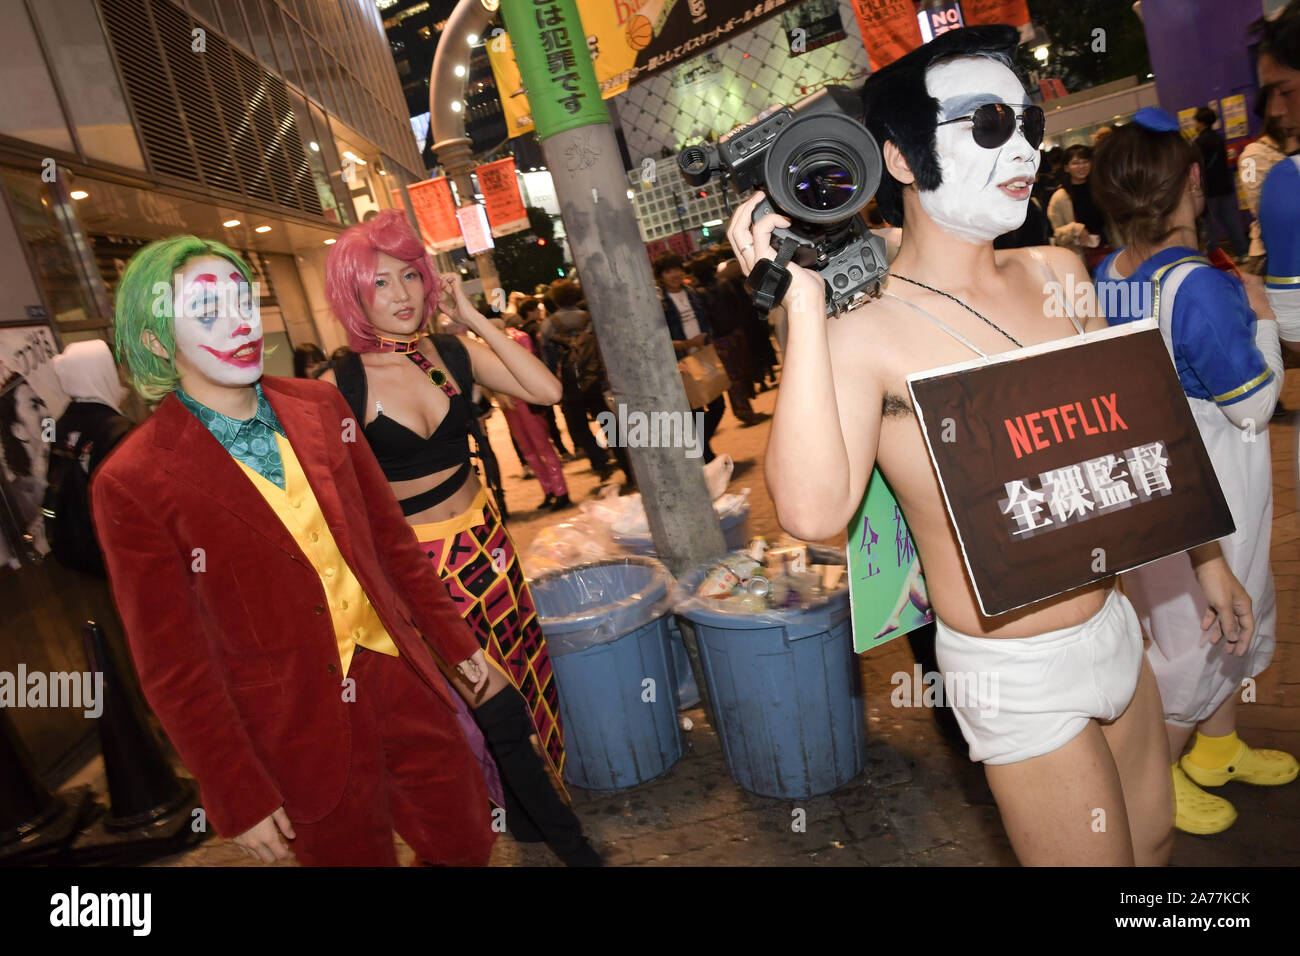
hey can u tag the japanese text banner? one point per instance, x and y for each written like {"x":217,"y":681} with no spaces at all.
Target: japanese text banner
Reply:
{"x":1065,"y":463}
{"x":889,"y":29}
{"x":500,"y":188}
{"x":435,"y":212}
{"x":626,"y":40}
{"x":555,"y":64}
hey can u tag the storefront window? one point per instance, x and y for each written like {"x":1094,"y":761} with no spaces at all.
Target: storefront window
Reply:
{"x":53,"y":251}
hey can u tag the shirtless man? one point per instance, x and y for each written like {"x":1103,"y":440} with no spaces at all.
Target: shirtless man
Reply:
{"x":1051,"y":761}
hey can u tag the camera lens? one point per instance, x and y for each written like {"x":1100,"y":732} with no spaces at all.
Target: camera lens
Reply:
{"x":822,"y":168}
{"x":821,"y":181}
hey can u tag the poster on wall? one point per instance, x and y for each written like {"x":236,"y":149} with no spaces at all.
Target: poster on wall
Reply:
{"x":30,"y":402}
{"x":631,"y":40}
{"x":811,"y":25}
{"x":1236,"y":124}
{"x":887,"y":593}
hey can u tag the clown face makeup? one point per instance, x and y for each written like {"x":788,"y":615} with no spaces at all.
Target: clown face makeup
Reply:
{"x":218,"y":324}
{"x":984,"y":191}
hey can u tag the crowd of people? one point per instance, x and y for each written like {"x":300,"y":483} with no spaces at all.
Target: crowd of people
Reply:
{"x":347,"y":536}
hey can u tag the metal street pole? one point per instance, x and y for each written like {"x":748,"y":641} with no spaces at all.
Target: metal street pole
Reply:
{"x":453,"y":148}
{"x":582,"y":154}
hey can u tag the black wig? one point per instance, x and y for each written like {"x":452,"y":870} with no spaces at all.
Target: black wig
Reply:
{"x":1280,"y":36}
{"x":897,"y":107}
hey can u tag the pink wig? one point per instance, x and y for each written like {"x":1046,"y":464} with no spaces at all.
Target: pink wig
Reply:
{"x":350,"y":273}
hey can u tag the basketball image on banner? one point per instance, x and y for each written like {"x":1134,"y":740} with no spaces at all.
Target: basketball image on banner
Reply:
{"x":886,"y":585}
{"x":1068,"y":462}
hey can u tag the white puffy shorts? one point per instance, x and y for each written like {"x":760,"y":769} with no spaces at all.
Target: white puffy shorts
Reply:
{"x":1017,"y":699}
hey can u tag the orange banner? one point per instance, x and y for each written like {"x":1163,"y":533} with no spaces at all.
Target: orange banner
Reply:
{"x":435,"y":211}
{"x":1014,"y":12}
{"x":889,"y":29}
{"x":500,"y":188}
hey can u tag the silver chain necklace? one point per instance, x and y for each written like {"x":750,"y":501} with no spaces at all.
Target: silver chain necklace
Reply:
{"x":960,"y":303}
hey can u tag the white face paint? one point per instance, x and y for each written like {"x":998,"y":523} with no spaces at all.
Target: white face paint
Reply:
{"x":218,"y":323}
{"x":984,"y":191}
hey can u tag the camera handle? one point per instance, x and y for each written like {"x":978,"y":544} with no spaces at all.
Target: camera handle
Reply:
{"x":769,"y":280}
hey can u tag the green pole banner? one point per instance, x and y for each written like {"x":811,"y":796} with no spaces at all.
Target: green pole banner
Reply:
{"x":550,"y":46}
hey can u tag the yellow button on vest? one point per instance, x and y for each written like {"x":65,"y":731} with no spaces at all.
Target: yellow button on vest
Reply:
{"x":329,"y":572}
{"x":315,"y":536}
{"x":298,"y":503}
{"x":343,"y":605}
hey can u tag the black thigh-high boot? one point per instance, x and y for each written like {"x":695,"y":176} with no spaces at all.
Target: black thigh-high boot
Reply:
{"x":534,"y":811}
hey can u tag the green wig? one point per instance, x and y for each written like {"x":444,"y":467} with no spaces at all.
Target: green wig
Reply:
{"x":145,"y":303}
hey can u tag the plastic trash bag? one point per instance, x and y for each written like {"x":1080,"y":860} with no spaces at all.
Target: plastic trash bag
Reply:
{"x":599,"y":602}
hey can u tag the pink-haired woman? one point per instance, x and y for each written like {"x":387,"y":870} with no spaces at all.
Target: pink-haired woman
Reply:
{"x":410,"y":392}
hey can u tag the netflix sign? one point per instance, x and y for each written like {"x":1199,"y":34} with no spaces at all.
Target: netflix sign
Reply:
{"x":1067,"y":462}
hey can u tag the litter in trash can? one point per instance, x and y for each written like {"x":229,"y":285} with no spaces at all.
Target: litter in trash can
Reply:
{"x":784,"y":681}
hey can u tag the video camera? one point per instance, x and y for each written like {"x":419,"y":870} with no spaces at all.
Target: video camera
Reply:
{"x":819,"y":167}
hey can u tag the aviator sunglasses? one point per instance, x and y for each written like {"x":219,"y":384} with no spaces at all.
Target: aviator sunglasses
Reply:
{"x":994,"y":124}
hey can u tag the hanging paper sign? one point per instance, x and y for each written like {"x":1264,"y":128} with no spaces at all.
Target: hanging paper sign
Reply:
{"x":886,"y":585}
{"x":474,"y":227}
{"x":436,"y":214}
{"x":500,"y":187}
{"x":1064,"y":463}
{"x":1014,"y":12}
{"x":889,"y":29}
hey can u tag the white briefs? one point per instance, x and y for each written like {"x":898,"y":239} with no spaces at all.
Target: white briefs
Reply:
{"x":1017,"y":699}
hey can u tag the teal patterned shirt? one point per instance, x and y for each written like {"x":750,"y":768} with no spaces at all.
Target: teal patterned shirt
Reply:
{"x":251,"y":441}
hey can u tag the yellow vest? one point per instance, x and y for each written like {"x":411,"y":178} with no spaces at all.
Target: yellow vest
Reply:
{"x":355,"y":619}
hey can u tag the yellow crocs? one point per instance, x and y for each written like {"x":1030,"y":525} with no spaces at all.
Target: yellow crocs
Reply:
{"x":1265,"y":768}
{"x":1196,"y":811}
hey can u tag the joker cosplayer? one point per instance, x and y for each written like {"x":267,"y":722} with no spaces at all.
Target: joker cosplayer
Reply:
{"x":276,"y":604}
{"x":1075,"y":723}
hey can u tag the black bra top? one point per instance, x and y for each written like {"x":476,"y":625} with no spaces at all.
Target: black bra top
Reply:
{"x":403,"y":454}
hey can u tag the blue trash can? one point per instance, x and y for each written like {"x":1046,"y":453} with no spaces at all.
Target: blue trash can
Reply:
{"x":786,"y":690}
{"x":606,"y":626}
{"x":735,"y":531}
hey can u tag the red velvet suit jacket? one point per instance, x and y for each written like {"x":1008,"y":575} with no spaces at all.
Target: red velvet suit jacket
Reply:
{"x":234,"y":645}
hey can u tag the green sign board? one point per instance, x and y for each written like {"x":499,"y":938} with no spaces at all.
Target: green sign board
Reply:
{"x":886,"y":586}
{"x":550,"y":46}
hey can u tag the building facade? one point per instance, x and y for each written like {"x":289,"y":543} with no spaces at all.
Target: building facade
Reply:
{"x":269,"y":125}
